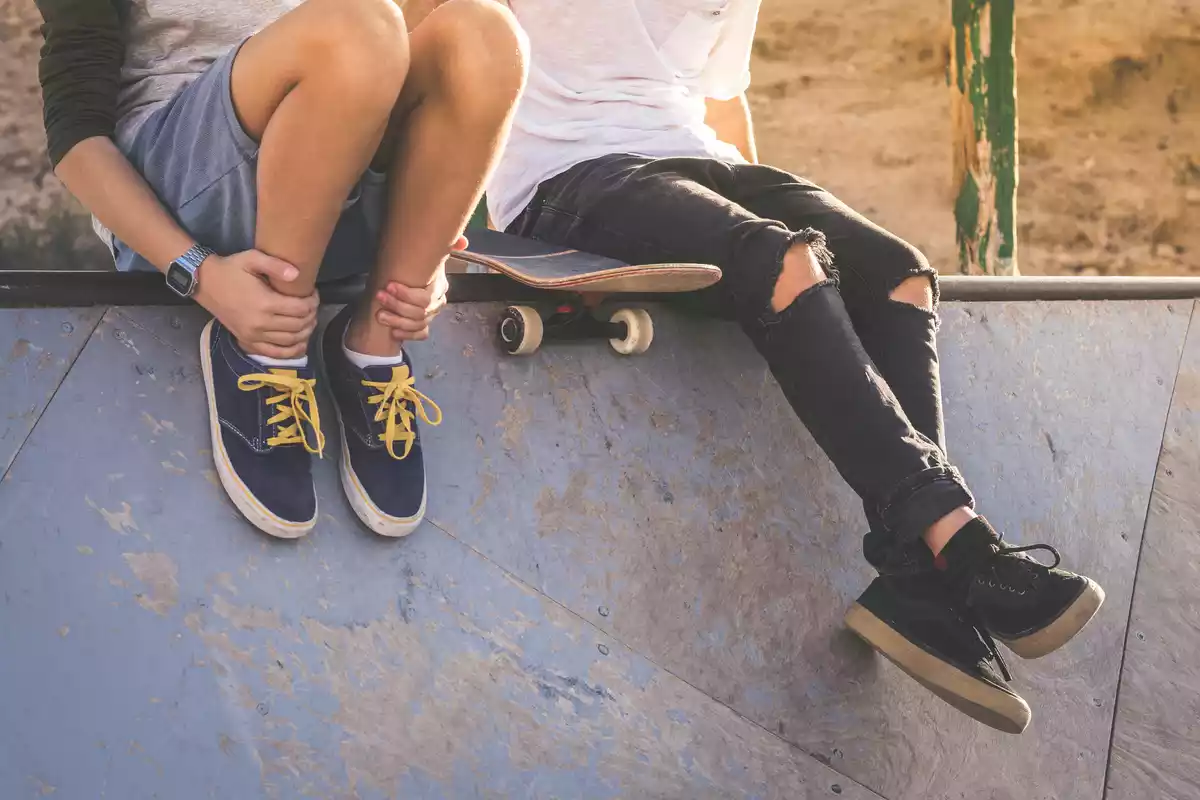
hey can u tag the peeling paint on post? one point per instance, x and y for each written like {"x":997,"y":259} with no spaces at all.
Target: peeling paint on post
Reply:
{"x":984,"y":118}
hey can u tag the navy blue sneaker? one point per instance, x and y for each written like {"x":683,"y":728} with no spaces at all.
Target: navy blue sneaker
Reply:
{"x":382,"y":466}
{"x":265,"y":426}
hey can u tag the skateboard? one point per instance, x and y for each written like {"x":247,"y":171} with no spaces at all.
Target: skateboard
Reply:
{"x":586,"y":280}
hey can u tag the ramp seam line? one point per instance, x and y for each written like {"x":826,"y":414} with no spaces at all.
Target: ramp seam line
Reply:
{"x":1137,"y":572}
{"x":120,"y":313}
{"x":790,"y":745}
{"x":37,"y":420}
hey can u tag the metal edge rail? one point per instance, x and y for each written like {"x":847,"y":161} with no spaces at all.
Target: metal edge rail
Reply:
{"x":30,"y":289}
{"x":972,"y":288}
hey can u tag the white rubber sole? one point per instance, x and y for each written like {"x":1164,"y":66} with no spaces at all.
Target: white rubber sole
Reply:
{"x":1063,"y":629}
{"x":251,"y":507}
{"x":977,"y":699}
{"x":372,"y":516}
{"x":365,"y":509}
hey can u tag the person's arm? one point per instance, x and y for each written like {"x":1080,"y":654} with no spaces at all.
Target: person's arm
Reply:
{"x":726,"y":76}
{"x":102,"y":179}
{"x":732,"y":122}
{"x":79,"y":70}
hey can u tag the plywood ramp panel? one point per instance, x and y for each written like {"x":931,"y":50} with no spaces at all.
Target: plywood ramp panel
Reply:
{"x":1156,"y":742}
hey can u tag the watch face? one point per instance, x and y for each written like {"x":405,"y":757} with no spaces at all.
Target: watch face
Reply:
{"x":179,"y":279}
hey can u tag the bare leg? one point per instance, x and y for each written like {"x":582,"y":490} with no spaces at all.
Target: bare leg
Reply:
{"x":467,"y":70}
{"x":316,"y":89}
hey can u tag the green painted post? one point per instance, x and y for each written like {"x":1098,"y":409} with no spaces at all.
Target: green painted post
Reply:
{"x":479,"y":217}
{"x":983,"y":70}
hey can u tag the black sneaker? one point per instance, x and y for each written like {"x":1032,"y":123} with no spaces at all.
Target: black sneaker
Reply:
{"x":264,"y":424}
{"x":382,"y":466}
{"x":916,"y":629}
{"x":1032,"y":608}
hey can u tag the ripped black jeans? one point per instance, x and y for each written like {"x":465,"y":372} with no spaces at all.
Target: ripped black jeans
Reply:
{"x":858,"y":368}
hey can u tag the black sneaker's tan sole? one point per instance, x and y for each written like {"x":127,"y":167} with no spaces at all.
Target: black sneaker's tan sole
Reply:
{"x":1063,"y":629}
{"x":1003,"y":710}
{"x":251,"y":507}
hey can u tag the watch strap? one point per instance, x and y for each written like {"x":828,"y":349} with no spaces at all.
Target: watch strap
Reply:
{"x":194,"y":257}
{"x":190,"y":262}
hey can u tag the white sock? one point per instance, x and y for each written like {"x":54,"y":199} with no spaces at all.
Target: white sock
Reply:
{"x":362,"y":360}
{"x":290,"y":363}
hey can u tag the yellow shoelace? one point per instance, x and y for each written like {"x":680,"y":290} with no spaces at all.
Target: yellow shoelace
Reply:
{"x":295,"y":405}
{"x":392,"y":397}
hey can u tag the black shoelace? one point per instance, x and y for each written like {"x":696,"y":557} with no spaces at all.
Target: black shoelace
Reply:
{"x":1017,"y":574}
{"x":982,"y":642}
{"x":991,"y":652}
{"x":902,"y":564}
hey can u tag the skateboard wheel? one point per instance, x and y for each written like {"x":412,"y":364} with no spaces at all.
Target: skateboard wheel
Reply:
{"x":520,"y":330}
{"x":639,"y":331}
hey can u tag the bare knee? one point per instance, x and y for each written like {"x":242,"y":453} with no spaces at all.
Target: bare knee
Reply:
{"x":362,"y":45}
{"x":801,"y":271}
{"x":481,"y":52}
{"x":348,"y":55}
{"x":916,"y":291}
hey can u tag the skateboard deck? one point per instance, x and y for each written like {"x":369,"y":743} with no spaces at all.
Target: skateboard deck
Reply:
{"x":547,"y":266}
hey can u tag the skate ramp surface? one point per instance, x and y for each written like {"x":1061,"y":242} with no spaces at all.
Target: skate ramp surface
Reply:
{"x":630,"y":583}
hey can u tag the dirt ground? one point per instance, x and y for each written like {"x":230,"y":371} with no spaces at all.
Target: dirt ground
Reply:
{"x":1109,"y":109}
{"x":854,"y":96}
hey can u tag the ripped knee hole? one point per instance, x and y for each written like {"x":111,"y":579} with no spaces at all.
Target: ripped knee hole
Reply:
{"x":915,"y":291}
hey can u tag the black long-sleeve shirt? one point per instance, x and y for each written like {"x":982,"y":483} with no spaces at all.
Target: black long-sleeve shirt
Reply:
{"x":80,"y":70}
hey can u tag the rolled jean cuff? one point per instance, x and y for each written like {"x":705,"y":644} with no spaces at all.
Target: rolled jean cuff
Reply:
{"x":922,"y":499}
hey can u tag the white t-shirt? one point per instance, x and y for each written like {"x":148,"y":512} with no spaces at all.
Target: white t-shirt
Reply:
{"x":620,"y":76}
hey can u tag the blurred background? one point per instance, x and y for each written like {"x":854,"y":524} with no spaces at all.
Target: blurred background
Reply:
{"x":854,"y":96}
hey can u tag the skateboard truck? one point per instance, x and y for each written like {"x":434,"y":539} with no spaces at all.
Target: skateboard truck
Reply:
{"x":522,"y":329}
{"x":584,"y":279}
